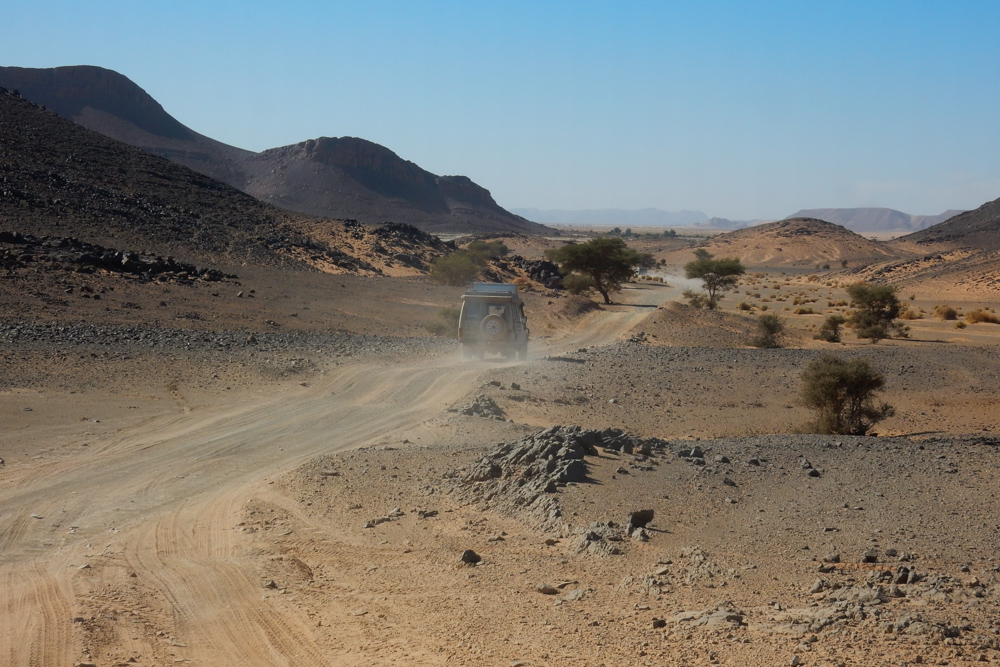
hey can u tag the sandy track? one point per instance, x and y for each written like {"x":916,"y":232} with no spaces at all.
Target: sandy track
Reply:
{"x":153,"y":508}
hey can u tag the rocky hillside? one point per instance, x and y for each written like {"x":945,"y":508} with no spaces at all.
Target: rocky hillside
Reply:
{"x":796,"y":242}
{"x":977,"y":230}
{"x":65,"y":187}
{"x":59,"y":179}
{"x":332,"y":177}
{"x":862,"y":220}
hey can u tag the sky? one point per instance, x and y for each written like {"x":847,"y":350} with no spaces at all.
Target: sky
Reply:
{"x":744,"y":110}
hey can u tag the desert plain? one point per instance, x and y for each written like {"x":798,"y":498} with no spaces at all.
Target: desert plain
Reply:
{"x":289,"y":477}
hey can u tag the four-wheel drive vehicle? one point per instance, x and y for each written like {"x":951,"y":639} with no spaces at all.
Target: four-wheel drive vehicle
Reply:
{"x":493,"y":320}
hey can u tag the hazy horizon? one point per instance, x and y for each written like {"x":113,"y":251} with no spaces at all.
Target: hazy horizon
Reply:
{"x":739,"y":110}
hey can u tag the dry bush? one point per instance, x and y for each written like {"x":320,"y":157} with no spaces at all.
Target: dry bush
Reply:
{"x":978,"y":315}
{"x":578,"y":305}
{"x":842,"y":392}
{"x":446,"y":324}
{"x":960,"y":325}
{"x":743,"y":305}
{"x":523,"y":284}
{"x":770,"y":332}
{"x":945,"y":313}
{"x":803,"y":311}
{"x":908,"y":313}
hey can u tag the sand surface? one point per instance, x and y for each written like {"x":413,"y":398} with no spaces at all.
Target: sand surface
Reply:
{"x":209,"y":507}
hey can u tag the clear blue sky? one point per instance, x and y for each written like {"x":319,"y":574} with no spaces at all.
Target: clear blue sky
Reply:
{"x":739,"y":109}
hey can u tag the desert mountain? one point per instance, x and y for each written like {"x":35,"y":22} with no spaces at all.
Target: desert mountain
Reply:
{"x":796,"y":242}
{"x":60,"y":179}
{"x":863,"y":220}
{"x":978,"y":230}
{"x":336,"y":178}
{"x":63,"y":182}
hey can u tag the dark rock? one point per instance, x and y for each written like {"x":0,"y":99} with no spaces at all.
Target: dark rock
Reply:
{"x":470,"y":557}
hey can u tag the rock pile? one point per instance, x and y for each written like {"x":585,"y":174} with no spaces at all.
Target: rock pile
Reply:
{"x":483,"y":406}
{"x":522,"y":478}
{"x":21,"y":250}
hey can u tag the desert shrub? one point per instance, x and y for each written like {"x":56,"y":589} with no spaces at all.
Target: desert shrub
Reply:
{"x":523,"y":284}
{"x":945,"y":313}
{"x":698,"y":300}
{"x":743,"y":305}
{"x":978,"y":315}
{"x":842,"y":393}
{"x":877,"y":308}
{"x":803,"y":311}
{"x":825,"y":267}
{"x":830,"y":329}
{"x":908,"y":313}
{"x":446,"y":324}
{"x":578,"y":305}
{"x":456,"y":269}
{"x":764,"y":307}
{"x":770,"y":331}
{"x":960,"y":324}
{"x":483,"y":251}
{"x":578,"y":283}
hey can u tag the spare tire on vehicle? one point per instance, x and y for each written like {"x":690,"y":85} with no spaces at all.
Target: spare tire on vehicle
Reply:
{"x":494,"y":328}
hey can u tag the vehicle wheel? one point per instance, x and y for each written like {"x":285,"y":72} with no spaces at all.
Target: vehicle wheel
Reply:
{"x":493,"y":328}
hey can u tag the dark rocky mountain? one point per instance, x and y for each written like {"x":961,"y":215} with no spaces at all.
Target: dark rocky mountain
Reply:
{"x":338,"y":178}
{"x":71,"y":197}
{"x":60,"y":179}
{"x":862,"y":220}
{"x":978,"y":230}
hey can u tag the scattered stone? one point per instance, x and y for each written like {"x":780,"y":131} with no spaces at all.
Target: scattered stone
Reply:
{"x":659,"y":623}
{"x":545,"y":589}
{"x":483,"y":406}
{"x":470,"y":557}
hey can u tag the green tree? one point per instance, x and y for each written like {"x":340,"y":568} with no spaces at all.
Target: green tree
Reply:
{"x":876,"y":309}
{"x":842,"y":392}
{"x":716,"y":275}
{"x":607,"y":261}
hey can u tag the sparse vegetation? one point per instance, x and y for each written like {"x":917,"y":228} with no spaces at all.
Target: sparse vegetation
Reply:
{"x":830,"y":329}
{"x":717,"y":275}
{"x":877,"y":308}
{"x":978,"y":315}
{"x":446,"y":324}
{"x":945,"y":313}
{"x":578,"y":283}
{"x":770,"y":332}
{"x":842,"y":392}
{"x":465,"y":265}
{"x":696,"y":299}
{"x":578,"y":305}
{"x":607,"y":261}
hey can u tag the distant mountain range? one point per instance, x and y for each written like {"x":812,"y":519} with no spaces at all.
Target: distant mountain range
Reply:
{"x":862,"y":220}
{"x":344,"y":177}
{"x":646,"y":217}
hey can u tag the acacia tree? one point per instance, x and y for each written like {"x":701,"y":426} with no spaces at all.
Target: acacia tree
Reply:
{"x":716,"y":275}
{"x":842,"y":392}
{"x":608,"y":262}
{"x":877,"y":308}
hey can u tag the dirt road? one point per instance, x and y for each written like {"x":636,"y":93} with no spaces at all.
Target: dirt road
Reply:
{"x":158,"y":503}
